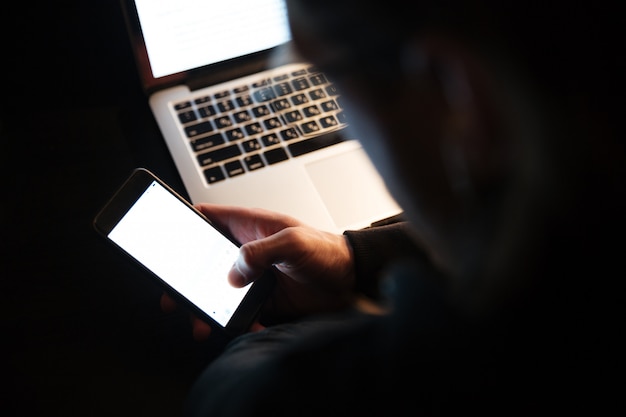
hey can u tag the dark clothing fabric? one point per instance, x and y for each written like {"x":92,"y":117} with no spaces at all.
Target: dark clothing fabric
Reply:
{"x":337,"y":365}
{"x":424,"y":358}
{"x":373,"y":250}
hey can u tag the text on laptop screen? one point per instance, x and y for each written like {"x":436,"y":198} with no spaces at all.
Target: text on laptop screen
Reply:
{"x":185,"y":34}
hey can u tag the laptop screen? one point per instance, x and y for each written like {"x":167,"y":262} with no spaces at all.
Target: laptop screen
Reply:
{"x":181,"y":35}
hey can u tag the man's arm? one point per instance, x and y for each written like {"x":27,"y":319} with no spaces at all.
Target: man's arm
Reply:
{"x":375,"y":248}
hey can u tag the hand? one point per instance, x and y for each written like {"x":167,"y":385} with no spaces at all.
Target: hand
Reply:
{"x":314,"y":268}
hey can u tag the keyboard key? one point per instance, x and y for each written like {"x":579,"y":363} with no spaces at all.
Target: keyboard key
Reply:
{"x":207,"y":142}
{"x":289,"y":134}
{"x":272,"y":123}
{"x":198,"y":129}
{"x":223,"y":122}
{"x":317,"y":94}
{"x":282,"y":89}
{"x":280,"y":104}
{"x":298,"y":73}
{"x":234,"y":168}
{"x":244,"y":101}
{"x":242,"y":116}
{"x":329,"y":105}
{"x":264,"y":94}
{"x":214,"y":174}
{"x":254,"y":129}
{"x":218,"y":155}
{"x":254,"y":162}
{"x":309,"y":127}
{"x":318,"y":79}
{"x":202,"y":100}
{"x":261,"y":111}
{"x":207,"y":111}
{"x":221,"y":94}
{"x":251,"y":145}
{"x":299,"y":99}
{"x":300,"y":84}
{"x":331,"y":90}
{"x":311,"y":111}
{"x":328,"y":121}
{"x":225,"y":106}
{"x":313,"y":144}
{"x":187,"y":116}
{"x":235,"y":134}
{"x":183,"y":105}
{"x":275,"y":155}
{"x":260,"y":83}
{"x":269,"y":140}
{"x":293,"y":116}
{"x":240,"y":89}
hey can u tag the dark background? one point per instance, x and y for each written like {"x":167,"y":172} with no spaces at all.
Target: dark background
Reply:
{"x":82,"y":333}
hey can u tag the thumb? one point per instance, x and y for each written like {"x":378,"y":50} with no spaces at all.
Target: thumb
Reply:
{"x":257,"y":256}
{"x":250,"y":264}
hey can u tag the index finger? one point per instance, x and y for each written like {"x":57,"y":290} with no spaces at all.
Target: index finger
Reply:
{"x":167,"y":303}
{"x":246,"y":224}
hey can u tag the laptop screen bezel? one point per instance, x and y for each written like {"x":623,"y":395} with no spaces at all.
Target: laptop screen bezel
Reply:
{"x":197,"y":77}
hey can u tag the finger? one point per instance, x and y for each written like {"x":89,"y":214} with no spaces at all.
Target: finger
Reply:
{"x":254,"y":258}
{"x":200,"y":329}
{"x":168,"y":304}
{"x":246,"y":224}
{"x":258,"y":256}
{"x":245,"y":270}
{"x":256,"y":327}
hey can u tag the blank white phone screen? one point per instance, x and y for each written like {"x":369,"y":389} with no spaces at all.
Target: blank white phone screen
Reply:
{"x":182,"y":249}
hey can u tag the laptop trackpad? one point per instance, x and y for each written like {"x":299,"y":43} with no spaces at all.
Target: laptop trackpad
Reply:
{"x":356,"y":197}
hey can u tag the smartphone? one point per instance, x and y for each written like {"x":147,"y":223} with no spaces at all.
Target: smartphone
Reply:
{"x":179,"y":247}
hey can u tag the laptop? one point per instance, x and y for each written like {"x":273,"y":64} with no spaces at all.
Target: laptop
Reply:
{"x":248,"y":123}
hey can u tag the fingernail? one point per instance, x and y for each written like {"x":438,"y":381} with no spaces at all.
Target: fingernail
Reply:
{"x":241,"y":268}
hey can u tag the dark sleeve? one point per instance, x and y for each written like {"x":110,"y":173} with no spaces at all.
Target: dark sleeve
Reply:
{"x":375,"y":249}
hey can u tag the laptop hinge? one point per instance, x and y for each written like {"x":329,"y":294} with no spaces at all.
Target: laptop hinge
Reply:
{"x":197,"y":82}
{"x":252,"y":64}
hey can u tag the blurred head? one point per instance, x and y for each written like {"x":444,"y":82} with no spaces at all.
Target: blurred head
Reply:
{"x":479,"y":115}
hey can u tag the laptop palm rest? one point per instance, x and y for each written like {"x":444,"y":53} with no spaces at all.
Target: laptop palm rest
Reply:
{"x":354,"y":197}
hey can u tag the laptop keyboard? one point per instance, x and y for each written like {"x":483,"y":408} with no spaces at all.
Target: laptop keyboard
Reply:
{"x":256,"y":125}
